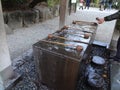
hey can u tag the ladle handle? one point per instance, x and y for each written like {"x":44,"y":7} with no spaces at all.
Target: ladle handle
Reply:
{"x":78,"y":47}
{"x":70,"y":39}
{"x":58,"y":43}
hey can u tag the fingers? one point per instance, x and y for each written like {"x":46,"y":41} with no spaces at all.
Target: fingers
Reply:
{"x":100,"y":20}
{"x":97,"y":19}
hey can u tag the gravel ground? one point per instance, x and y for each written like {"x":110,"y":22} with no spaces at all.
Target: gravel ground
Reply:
{"x":25,"y":65}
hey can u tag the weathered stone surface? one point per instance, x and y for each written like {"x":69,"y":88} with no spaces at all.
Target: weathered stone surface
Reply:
{"x":41,"y":12}
{"x":45,"y":13}
{"x":29,"y":17}
{"x":8,"y":29}
{"x":37,"y":15}
{"x":15,"y":19}
{"x":55,"y":11}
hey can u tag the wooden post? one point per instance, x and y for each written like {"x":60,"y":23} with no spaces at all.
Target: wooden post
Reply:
{"x":70,"y":7}
{"x":63,"y":12}
{"x":6,"y":70}
{"x":74,"y":5}
{"x":4,"y":51}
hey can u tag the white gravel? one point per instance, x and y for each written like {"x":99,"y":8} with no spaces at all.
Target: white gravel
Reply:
{"x":22,"y":39}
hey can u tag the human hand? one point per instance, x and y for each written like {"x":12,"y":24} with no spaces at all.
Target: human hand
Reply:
{"x":100,"y":20}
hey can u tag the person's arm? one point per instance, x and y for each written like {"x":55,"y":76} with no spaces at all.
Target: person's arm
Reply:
{"x":113,"y":16}
{"x":109,"y":18}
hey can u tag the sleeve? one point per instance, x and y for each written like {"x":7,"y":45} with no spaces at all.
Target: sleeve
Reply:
{"x":113,"y":16}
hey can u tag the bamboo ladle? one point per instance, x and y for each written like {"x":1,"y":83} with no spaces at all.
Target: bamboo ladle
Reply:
{"x":86,"y":36}
{"x":78,"y":47}
{"x":51,"y":36}
{"x":82,"y":29}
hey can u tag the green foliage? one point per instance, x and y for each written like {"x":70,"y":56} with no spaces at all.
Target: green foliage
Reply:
{"x":96,"y":1}
{"x":52,"y":3}
{"x":78,"y":1}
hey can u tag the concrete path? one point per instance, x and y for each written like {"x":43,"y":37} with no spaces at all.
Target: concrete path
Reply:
{"x":22,"y":39}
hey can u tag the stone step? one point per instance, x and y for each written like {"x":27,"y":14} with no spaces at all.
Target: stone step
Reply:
{"x":12,"y":82}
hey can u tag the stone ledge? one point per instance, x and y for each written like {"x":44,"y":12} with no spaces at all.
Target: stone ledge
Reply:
{"x":113,"y":45}
{"x":114,"y":40}
{"x":19,"y":19}
{"x":12,"y":82}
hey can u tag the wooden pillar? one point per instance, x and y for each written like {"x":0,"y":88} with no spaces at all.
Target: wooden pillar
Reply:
{"x":70,"y":7}
{"x":6,"y":70}
{"x":75,"y":6}
{"x":63,"y":12}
